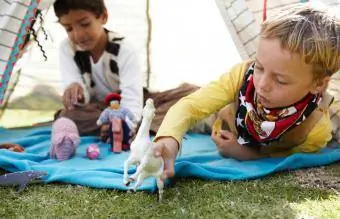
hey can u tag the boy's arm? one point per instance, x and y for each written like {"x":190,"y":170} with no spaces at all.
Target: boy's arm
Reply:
{"x":131,"y":81}
{"x":70,"y":73}
{"x":207,"y":100}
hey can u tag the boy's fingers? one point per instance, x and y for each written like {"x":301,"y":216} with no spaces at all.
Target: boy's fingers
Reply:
{"x":67,"y":98}
{"x":227,"y":135}
{"x":75,"y":93}
{"x":168,"y":169}
{"x":217,"y":139}
{"x":158,"y":150}
{"x":80,"y":93}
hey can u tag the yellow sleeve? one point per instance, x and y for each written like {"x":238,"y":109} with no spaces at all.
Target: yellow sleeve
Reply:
{"x":317,"y":139}
{"x":202,"y":103}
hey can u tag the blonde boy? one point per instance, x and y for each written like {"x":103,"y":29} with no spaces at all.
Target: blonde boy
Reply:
{"x":280,"y":102}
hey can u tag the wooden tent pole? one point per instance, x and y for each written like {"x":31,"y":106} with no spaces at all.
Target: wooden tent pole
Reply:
{"x":264,"y":12}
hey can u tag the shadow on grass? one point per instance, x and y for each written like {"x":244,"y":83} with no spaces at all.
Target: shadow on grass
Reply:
{"x":270,"y":197}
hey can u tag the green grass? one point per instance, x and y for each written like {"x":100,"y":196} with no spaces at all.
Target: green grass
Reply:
{"x":277,"y":196}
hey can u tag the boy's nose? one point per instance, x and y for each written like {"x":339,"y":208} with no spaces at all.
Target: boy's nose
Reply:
{"x":265,"y":84}
{"x":78,"y":35}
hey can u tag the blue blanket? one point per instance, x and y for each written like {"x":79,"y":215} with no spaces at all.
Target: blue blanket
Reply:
{"x":199,"y":159}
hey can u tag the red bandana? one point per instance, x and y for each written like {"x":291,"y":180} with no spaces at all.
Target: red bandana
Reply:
{"x":256,"y":124}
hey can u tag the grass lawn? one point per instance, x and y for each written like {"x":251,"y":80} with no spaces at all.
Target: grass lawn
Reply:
{"x":311,"y":193}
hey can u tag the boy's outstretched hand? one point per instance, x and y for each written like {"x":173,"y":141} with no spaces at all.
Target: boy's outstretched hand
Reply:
{"x":228,"y":146}
{"x":167,"y":148}
{"x":72,"y":95}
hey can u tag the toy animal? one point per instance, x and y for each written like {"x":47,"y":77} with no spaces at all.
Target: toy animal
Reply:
{"x":21,"y":179}
{"x":115,"y":115}
{"x":64,"y":139}
{"x":142,"y":154}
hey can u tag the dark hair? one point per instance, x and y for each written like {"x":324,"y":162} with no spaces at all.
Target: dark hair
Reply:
{"x":62,"y":7}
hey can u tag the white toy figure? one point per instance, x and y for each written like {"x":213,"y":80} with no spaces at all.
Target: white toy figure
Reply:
{"x":142,"y":153}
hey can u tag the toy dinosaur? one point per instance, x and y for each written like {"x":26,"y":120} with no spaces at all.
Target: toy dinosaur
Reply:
{"x":142,"y":154}
{"x":21,"y":179}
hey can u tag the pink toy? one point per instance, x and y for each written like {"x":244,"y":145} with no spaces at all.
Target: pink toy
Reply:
{"x":64,"y":139}
{"x":93,"y":151}
{"x":115,"y":115}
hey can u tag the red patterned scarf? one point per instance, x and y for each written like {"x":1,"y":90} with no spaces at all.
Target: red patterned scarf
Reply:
{"x":256,"y":124}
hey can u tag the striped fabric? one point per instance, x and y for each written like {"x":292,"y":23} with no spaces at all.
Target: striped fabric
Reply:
{"x":242,"y":25}
{"x":243,"y":18}
{"x":15,"y":18}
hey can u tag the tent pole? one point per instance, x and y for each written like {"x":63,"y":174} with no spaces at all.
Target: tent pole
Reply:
{"x":264,"y":15}
{"x":148,"y":44}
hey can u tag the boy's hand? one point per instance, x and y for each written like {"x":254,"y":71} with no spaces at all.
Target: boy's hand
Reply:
{"x":72,"y":95}
{"x":167,"y":148}
{"x":228,"y":146}
{"x":225,"y":141}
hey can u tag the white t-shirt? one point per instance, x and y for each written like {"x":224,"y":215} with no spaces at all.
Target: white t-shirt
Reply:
{"x":130,"y":75}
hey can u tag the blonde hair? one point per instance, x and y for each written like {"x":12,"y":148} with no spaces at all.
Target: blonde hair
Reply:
{"x":313,"y":33}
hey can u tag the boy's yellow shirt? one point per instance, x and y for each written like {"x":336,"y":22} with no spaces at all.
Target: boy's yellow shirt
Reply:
{"x":217,"y":94}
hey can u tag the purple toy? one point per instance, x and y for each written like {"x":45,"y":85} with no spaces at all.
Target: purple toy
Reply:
{"x":93,"y":151}
{"x":65,"y":139}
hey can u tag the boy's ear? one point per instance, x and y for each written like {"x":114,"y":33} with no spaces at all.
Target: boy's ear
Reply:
{"x":105,"y":16}
{"x":320,"y":85}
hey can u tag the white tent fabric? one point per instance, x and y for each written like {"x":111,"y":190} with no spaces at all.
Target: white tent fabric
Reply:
{"x":241,"y":24}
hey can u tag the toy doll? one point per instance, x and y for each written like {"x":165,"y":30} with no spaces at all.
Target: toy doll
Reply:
{"x":116,"y":115}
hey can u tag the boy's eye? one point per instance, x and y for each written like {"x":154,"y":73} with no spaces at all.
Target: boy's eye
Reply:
{"x":85,"y":24}
{"x":68,"y":29}
{"x":258,"y":68}
{"x":281,"y":82}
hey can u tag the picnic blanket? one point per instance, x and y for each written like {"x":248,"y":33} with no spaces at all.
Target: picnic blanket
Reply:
{"x":199,"y":158}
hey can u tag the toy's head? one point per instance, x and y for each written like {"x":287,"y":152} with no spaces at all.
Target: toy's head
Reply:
{"x":149,"y":109}
{"x":113,"y":100}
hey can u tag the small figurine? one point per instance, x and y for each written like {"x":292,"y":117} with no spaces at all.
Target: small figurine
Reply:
{"x":21,"y":179}
{"x":12,"y":147}
{"x":65,"y":139}
{"x":142,"y":154}
{"x":93,"y":151}
{"x":115,"y":115}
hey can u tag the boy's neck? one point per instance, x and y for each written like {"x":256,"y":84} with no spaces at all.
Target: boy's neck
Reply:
{"x":97,"y":52}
